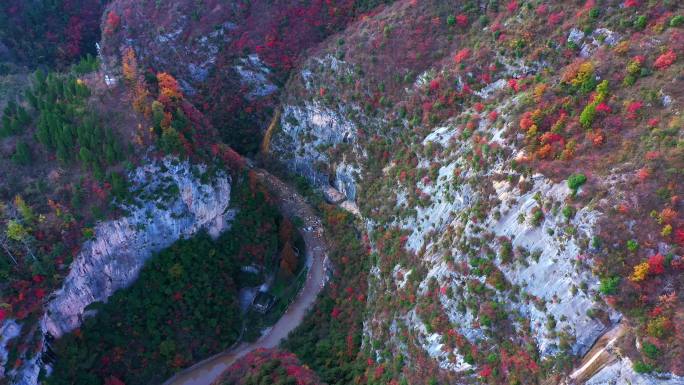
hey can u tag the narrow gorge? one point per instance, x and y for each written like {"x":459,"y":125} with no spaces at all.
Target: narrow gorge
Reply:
{"x":342,"y":192}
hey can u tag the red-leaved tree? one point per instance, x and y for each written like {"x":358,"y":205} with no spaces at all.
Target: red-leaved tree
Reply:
{"x":656,"y":264}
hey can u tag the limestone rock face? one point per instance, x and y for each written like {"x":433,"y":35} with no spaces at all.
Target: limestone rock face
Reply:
{"x":621,"y":372}
{"x":552,"y":287}
{"x":215,"y":45}
{"x":174,"y":42}
{"x":306,"y":131}
{"x":9,"y":330}
{"x":172,"y":199}
{"x":113,"y":259}
{"x":311,"y":129}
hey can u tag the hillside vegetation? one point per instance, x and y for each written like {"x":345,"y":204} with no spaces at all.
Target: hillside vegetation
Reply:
{"x":512,"y":173}
{"x":494,"y":141}
{"x":184,"y":305}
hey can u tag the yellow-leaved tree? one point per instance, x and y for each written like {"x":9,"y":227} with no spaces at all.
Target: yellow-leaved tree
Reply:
{"x":640,"y":272}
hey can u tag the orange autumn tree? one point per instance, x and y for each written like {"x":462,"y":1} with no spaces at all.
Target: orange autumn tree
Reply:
{"x":169,"y":90}
{"x":134,"y":79}
{"x":139,"y":92}
{"x":166,"y":112}
{"x":140,"y":95}
{"x":129,"y":65}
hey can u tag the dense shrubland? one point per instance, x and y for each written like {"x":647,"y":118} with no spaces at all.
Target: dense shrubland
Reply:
{"x":52,"y":33}
{"x":269,"y":367}
{"x":172,"y":124}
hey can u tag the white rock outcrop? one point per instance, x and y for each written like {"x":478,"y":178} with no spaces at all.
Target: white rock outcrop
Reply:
{"x":450,"y":360}
{"x":9,"y":330}
{"x":554,"y":274}
{"x":621,"y":372}
{"x":113,"y":259}
{"x":254,"y":75}
{"x":306,"y":132}
{"x":173,"y":200}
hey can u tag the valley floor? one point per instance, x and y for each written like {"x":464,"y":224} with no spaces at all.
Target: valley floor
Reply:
{"x":292,"y":206}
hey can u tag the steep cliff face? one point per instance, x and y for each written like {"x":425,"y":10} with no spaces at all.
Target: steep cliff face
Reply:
{"x":307,"y":134}
{"x":550,"y":289}
{"x":114,"y":257}
{"x":311,"y":132}
{"x":321,"y":142}
{"x":172,"y":199}
{"x":489,"y":253}
{"x":197,"y":44}
{"x":180,"y":40}
{"x":214,"y":45}
{"x":9,"y":330}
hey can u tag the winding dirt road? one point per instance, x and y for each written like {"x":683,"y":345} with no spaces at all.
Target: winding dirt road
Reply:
{"x":291,"y":205}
